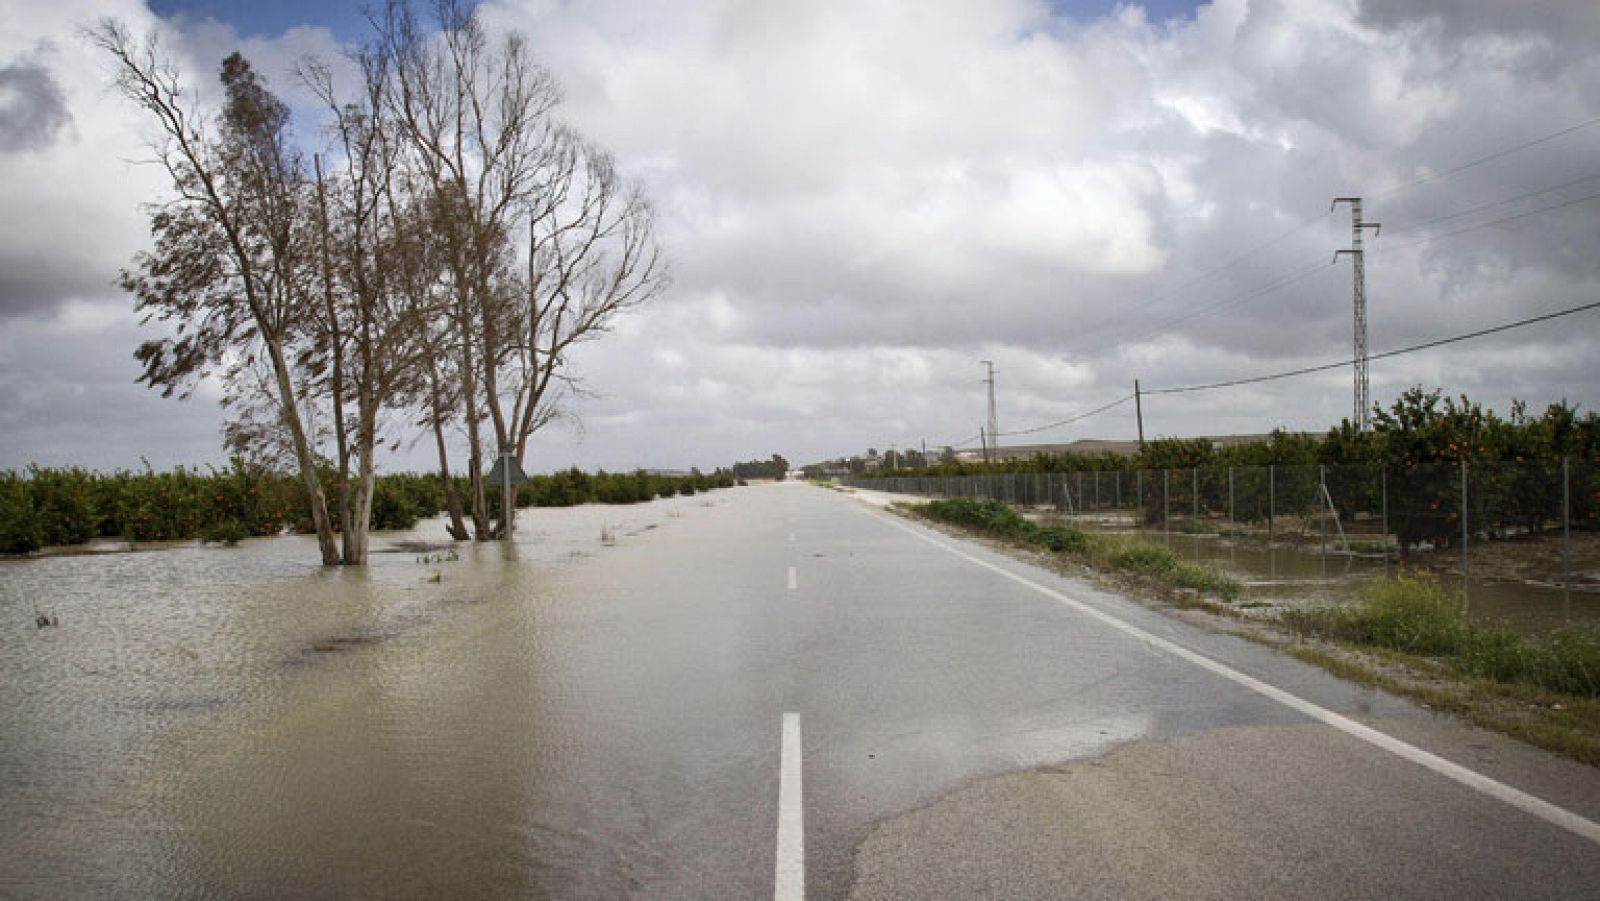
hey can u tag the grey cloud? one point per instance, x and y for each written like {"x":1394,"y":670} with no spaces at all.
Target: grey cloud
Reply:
{"x":33,"y":109}
{"x":31,"y":285}
{"x":1560,"y":20}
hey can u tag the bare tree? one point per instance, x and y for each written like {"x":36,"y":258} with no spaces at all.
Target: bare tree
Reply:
{"x":375,"y":336}
{"x":228,"y":257}
{"x":477,"y":116}
{"x":507,"y":175}
{"x":457,"y":246}
{"x":591,"y":257}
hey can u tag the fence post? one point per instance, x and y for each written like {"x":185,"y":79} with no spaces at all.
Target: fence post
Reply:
{"x":1272,"y":499}
{"x":1322,"y":521}
{"x":1566,"y":522}
{"x":1463,"y":533}
{"x":1383,"y":490}
{"x":1230,"y":494}
{"x":1194,"y":489}
{"x":1097,"y":489}
{"x":1166,"y":497}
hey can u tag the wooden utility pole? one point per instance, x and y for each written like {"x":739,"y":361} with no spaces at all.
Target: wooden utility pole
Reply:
{"x":1138,"y":412}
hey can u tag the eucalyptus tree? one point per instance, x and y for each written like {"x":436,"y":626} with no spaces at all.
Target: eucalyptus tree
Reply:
{"x":475,"y":114}
{"x":375,"y":337}
{"x":591,"y":257}
{"x":546,"y":243}
{"x":230,"y":256}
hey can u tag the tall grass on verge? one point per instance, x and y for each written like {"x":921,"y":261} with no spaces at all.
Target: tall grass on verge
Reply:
{"x":1148,"y":559}
{"x":1000,"y":521}
{"x":1413,"y":615}
{"x":1130,"y":555}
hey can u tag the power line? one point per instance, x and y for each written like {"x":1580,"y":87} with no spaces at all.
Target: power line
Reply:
{"x":1233,"y":302}
{"x":1203,"y":276}
{"x":1448,"y":173}
{"x":1124,"y":314}
{"x":1385,"y":355}
{"x":1482,"y":225}
{"x":1409,"y":226}
{"x":1069,"y":420}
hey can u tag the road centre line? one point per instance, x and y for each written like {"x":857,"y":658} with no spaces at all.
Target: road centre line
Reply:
{"x":789,"y":876}
{"x":794,"y":579}
{"x":1517,"y":798}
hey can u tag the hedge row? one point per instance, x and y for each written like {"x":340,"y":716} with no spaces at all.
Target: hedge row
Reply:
{"x":42,"y":507}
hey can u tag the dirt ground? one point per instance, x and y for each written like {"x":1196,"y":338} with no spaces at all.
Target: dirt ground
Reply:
{"x":1526,"y":558}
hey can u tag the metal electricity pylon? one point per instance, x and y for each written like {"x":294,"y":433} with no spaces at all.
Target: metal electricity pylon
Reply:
{"x":1363,"y":402}
{"x":994,"y":423}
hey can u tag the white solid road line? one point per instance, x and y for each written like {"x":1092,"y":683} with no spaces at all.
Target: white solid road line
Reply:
{"x":789,"y":882}
{"x":1517,"y":798}
{"x":794,"y":579}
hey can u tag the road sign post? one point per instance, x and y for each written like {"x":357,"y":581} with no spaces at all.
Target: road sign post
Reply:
{"x":506,"y":472}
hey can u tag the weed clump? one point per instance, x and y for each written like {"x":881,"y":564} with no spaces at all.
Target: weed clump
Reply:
{"x":998,"y":520}
{"x":1415,"y":615}
{"x":1148,"y":559}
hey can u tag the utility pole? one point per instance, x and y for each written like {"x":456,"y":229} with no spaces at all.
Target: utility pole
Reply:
{"x":1362,"y":401}
{"x":1138,"y":411}
{"x":994,"y":423}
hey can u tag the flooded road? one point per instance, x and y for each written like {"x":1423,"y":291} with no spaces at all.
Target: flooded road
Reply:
{"x":568,"y":717}
{"x":212,"y":722}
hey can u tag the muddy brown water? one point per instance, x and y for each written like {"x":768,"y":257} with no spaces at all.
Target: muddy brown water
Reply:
{"x":187,"y":684}
{"x":1304,"y":574}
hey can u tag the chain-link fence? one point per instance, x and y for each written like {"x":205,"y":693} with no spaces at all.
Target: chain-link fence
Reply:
{"x":1532,"y":520}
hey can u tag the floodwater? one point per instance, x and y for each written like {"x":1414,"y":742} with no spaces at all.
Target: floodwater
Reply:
{"x":169,"y":737}
{"x":1305,"y":574}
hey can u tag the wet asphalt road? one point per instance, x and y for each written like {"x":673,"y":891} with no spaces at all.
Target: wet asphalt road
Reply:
{"x":572,"y":720}
{"x":919,"y":675}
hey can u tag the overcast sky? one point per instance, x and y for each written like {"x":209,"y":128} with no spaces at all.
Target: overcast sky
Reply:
{"x":863,"y":199}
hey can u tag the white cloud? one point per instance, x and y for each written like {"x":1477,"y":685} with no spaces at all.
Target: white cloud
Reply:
{"x":862,"y":199}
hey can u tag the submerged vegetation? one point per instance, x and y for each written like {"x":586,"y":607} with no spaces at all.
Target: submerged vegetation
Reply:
{"x":42,"y":507}
{"x":1414,"y":615}
{"x":1105,"y":552}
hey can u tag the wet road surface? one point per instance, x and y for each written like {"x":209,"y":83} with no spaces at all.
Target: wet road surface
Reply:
{"x":569,"y":719}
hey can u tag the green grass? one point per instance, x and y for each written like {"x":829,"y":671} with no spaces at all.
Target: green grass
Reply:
{"x":1115,"y":553}
{"x":1554,"y":721}
{"x":1415,"y":616}
{"x":1000,"y":521}
{"x":1145,"y":558}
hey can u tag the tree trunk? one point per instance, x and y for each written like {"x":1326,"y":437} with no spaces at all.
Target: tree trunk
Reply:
{"x":336,"y":345}
{"x":356,"y":539}
{"x":452,"y":501}
{"x":302,"y":451}
{"x":469,"y":392}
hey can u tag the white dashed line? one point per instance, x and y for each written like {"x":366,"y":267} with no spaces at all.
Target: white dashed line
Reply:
{"x":794,"y":579}
{"x":789,"y":877}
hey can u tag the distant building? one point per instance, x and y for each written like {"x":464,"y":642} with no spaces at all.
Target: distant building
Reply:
{"x":1096,"y":446}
